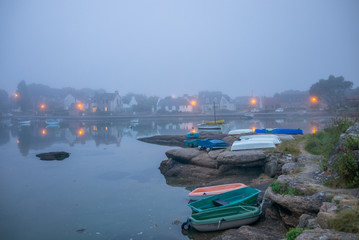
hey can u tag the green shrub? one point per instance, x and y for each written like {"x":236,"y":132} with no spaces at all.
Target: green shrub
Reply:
{"x":348,"y":169}
{"x":346,"y":221}
{"x":293,"y":233}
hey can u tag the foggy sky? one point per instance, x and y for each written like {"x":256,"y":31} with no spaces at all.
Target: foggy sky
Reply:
{"x":172,"y":47}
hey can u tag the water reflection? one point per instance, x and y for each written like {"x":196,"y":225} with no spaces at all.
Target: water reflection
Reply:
{"x":38,"y":135}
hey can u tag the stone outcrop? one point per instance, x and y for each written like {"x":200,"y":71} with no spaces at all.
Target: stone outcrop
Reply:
{"x":319,"y":233}
{"x":59,"y":156}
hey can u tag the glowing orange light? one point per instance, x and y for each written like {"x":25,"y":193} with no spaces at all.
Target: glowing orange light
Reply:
{"x":314,"y":130}
{"x":193,"y":103}
{"x":16,"y":95}
{"x":253,"y":101}
{"x":80,"y":132}
{"x":253,"y":129}
{"x":105,"y":109}
{"x":314,"y":99}
{"x":17,"y":141}
{"x":42,"y":106}
{"x":194,"y":130}
{"x":80,"y":106}
{"x":106,"y":128}
{"x":43,"y":132}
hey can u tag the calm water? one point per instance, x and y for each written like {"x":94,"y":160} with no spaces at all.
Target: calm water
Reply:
{"x":109,"y":188}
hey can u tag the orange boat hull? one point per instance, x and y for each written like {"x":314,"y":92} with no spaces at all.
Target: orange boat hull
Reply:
{"x":203,"y":192}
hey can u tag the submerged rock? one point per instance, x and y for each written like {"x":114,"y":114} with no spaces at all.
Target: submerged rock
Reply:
{"x":53,"y":156}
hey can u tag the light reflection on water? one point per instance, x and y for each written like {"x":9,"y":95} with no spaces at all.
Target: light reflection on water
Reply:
{"x":109,"y":188}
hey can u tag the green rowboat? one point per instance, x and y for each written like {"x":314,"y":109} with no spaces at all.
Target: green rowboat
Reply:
{"x":224,"y":218}
{"x":241,"y":196}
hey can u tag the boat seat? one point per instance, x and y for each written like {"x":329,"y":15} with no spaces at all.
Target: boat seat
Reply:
{"x":219,"y":202}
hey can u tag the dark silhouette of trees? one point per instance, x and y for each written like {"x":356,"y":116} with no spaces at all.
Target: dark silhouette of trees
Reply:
{"x":23,"y":100}
{"x":331,"y":90}
{"x":4,"y":101}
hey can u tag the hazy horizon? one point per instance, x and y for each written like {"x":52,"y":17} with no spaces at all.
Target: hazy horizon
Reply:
{"x":168,"y":48}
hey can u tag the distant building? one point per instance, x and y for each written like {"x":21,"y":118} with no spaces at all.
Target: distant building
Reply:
{"x":69,"y":101}
{"x":129,"y":105}
{"x":169,"y":104}
{"x":206,"y":101}
{"x":106,"y":102}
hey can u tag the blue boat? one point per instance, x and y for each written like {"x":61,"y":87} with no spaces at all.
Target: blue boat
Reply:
{"x":210,"y":144}
{"x":241,"y":196}
{"x":280,"y":131}
{"x":193,"y":135}
{"x":52,"y":121}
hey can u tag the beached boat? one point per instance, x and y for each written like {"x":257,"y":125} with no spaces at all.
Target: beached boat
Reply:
{"x":192,"y":135}
{"x":252,"y":144}
{"x":203,"y":192}
{"x":241,"y":196}
{"x":204,"y":126}
{"x":225,"y":218}
{"x":254,"y":136}
{"x":210,"y":144}
{"x":211,"y":125}
{"x":280,"y":131}
{"x":215,"y":122}
{"x":52,"y":121}
{"x":261,"y":137}
{"x":239,"y":131}
{"x":191,"y":142}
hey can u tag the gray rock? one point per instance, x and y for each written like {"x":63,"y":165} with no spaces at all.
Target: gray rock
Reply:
{"x":301,"y":204}
{"x":249,"y":158}
{"x":326,"y":234}
{"x":183,"y":155}
{"x":307,"y":221}
{"x":287,"y":168}
{"x":247,"y":233}
{"x":270,"y":168}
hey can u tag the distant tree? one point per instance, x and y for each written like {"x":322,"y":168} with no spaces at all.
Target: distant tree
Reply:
{"x":331,"y":91}
{"x":24,"y":99}
{"x":4,"y":101}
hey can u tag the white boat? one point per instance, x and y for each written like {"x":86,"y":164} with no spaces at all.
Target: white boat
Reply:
{"x":272,"y":137}
{"x":252,"y":144}
{"x":204,"y":126}
{"x":25,"y":123}
{"x":240,"y":131}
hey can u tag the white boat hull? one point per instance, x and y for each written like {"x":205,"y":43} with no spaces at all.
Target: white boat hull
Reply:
{"x":240,"y":131}
{"x":251,"y":144}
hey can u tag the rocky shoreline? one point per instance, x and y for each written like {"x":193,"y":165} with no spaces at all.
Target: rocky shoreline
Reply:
{"x":297,"y":197}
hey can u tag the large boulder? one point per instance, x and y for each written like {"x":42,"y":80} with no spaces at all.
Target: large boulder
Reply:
{"x":319,"y":233}
{"x":308,"y":201}
{"x":247,"y":233}
{"x":248,"y":158}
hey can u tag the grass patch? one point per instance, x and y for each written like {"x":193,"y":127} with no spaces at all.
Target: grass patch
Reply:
{"x":293,"y":233}
{"x":288,"y":147}
{"x":346,"y":221}
{"x":323,"y":142}
{"x":277,"y":187}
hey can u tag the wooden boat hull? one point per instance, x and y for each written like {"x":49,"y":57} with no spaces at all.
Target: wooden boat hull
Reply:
{"x":241,"y":196}
{"x":203,"y":192}
{"x":221,"y":219}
